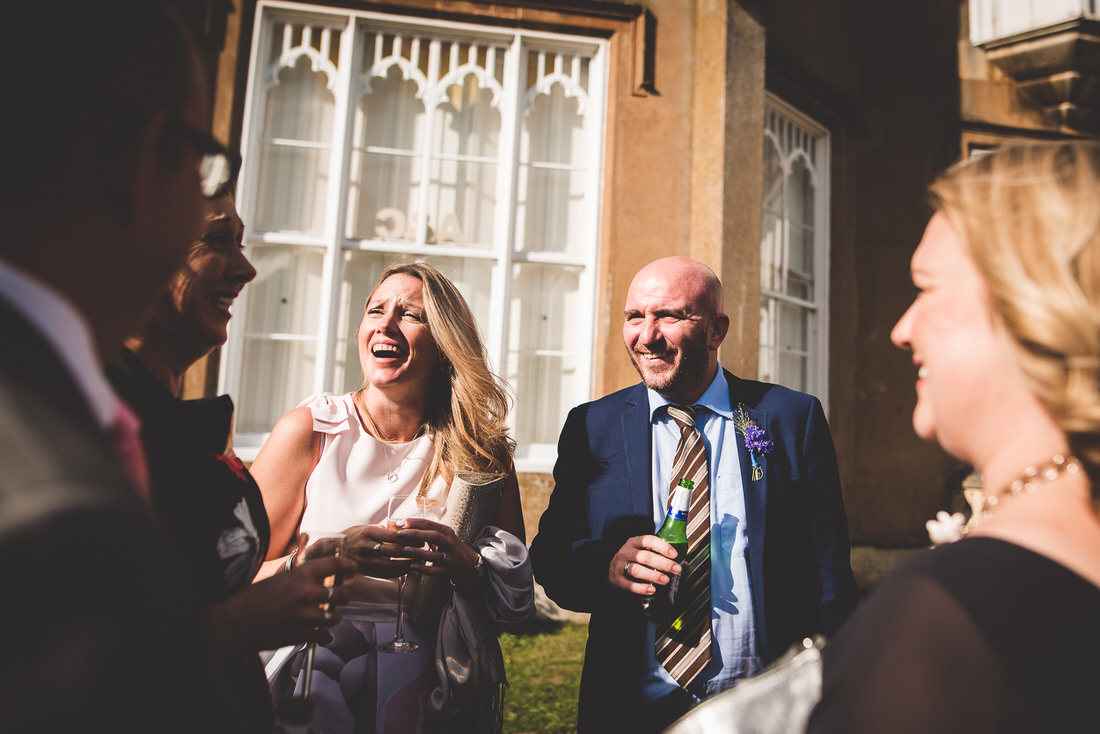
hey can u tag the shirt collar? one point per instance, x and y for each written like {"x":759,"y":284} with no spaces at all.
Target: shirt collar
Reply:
{"x":715,"y":398}
{"x":66,"y":330}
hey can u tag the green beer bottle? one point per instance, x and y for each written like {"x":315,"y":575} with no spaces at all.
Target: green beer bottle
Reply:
{"x":674,"y":532}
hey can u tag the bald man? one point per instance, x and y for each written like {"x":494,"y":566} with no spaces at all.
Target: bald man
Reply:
{"x":779,"y":565}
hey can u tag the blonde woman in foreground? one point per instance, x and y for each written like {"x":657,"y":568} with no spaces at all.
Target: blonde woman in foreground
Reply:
{"x":996,"y":632}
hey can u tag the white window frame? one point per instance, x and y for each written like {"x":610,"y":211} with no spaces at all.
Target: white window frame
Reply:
{"x":817,"y":364}
{"x":530,"y":457}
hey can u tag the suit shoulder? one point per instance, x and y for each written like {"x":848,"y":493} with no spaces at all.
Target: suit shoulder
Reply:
{"x":53,"y":449}
{"x":613,"y":402}
{"x":762,"y":395}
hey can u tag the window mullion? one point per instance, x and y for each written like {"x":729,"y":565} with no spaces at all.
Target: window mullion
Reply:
{"x":504,"y":228}
{"x":784,"y":240}
{"x":431,"y":99}
{"x":820,"y":332}
{"x":594,"y":122}
{"x":232,"y":356}
{"x":333,"y":269}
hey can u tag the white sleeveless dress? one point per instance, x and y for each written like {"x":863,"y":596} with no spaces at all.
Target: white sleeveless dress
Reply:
{"x":354,"y":688}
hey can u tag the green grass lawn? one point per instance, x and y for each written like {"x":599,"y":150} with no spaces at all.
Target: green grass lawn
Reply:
{"x":544,"y":675}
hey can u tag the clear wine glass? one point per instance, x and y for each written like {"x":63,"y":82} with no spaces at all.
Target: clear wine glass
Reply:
{"x":402,"y":507}
{"x":311,"y":547}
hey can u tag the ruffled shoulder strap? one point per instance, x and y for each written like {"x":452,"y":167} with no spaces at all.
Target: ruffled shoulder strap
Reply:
{"x":332,"y":414}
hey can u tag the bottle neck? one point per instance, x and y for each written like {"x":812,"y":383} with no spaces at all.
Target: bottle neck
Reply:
{"x":681,"y":501}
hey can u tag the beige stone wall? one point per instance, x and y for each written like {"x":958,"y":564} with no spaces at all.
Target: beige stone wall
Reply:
{"x":534,"y":491}
{"x":883,"y":78}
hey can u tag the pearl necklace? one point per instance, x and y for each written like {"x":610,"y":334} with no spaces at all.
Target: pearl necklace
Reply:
{"x":1031,"y":479}
{"x":949,"y":528}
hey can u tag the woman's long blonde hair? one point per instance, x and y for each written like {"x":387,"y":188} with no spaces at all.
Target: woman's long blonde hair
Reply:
{"x":468,"y":404}
{"x":1029,"y":216}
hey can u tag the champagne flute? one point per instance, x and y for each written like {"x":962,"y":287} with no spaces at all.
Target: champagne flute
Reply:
{"x":312,"y":546}
{"x":398,"y":510}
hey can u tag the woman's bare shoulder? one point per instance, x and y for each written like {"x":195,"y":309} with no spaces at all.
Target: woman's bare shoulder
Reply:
{"x":293,"y":434}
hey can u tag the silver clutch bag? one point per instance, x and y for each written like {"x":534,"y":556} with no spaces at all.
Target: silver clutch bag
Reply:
{"x":472,"y":504}
{"x":777,"y":701}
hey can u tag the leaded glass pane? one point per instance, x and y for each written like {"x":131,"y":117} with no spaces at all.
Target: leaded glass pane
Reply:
{"x":296,"y":151}
{"x":286,"y":293}
{"x":553,"y":174}
{"x":277,"y":376}
{"x":480,"y":143}
{"x":543,"y":362}
{"x":385,"y":163}
{"x":462,"y":195}
{"x":792,"y":369}
{"x":791,"y":252}
{"x":800,"y":192}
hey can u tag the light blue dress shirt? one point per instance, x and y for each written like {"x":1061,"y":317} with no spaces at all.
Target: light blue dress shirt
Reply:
{"x":733,"y":624}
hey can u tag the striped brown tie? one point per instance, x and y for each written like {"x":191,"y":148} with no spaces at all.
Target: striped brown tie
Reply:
{"x":683,"y":643}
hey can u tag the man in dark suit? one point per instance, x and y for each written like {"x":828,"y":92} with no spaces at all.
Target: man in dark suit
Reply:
{"x":778,"y":556}
{"x":105,"y":133}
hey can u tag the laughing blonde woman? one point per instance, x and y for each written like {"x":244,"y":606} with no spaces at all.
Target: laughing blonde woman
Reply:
{"x":429,"y":409}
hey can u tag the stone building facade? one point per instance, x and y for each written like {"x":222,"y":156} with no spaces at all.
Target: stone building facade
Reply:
{"x":545,"y":151}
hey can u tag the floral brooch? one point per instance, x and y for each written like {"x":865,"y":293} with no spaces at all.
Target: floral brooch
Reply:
{"x":755,"y":441}
{"x":946,"y":528}
{"x":235,"y":465}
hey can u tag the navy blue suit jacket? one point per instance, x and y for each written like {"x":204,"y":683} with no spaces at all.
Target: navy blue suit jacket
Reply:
{"x":798,"y":551}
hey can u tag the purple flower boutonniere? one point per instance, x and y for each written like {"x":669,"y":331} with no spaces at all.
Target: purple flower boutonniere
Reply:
{"x":755,"y":441}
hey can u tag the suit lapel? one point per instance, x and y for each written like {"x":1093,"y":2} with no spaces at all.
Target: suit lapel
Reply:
{"x":756,"y":496}
{"x":637,"y":448}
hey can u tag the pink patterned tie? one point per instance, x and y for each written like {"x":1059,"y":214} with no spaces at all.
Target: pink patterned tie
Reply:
{"x":125,"y":430}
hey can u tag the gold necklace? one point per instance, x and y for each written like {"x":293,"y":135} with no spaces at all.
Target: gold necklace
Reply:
{"x":393,"y":475}
{"x":1031,"y":479}
{"x":372,"y":428}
